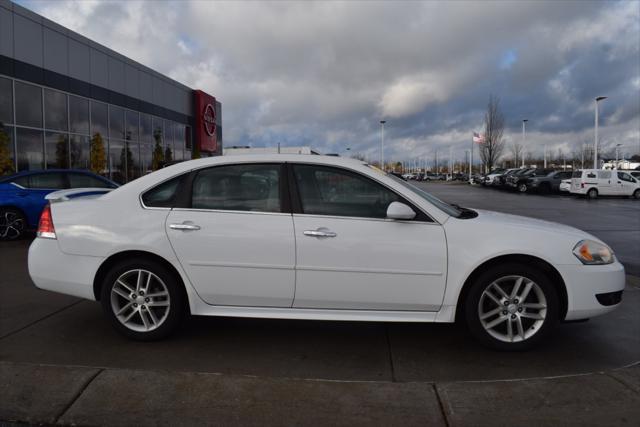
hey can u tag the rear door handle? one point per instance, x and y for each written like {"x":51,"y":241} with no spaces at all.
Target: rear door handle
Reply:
{"x":184,"y":227}
{"x":320,"y":232}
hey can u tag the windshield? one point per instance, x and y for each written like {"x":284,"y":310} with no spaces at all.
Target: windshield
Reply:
{"x":445,"y":207}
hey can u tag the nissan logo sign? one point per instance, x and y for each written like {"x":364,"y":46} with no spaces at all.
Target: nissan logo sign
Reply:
{"x":209,"y":118}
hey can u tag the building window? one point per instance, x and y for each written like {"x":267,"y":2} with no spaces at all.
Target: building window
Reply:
{"x":57,"y":150}
{"x":99,"y":122}
{"x":79,"y":152}
{"x":79,"y":115}
{"x":55,"y":110}
{"x":116,"y":161}
{"x":116,"y":122}
{"x":28,"y":105}
{"x":157,"y":131}
{"x":30,"y":152}
{"x":146,"y":132}
{"x":168,"y":141}
{"x":131,"y":125}
{"x":146,"y":158}
{"x":6,"y":101}
{"x":7,"y":159}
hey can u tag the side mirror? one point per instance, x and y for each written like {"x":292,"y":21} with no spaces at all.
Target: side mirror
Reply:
{"x":397,"y":210}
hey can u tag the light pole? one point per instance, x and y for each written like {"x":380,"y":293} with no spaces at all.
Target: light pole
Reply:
{"x":595,"y":145}
{"x":382,"y":122}
{"x":617,"y":146}
{"x":524,"y":138}
{"x":545,"y":155}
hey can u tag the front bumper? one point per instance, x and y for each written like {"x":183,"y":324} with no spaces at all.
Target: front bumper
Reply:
{"x":585,"y":282}
{"x":53,"y":270}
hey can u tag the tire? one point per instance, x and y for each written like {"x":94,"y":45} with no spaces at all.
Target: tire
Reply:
{"x":12,"y":224}
{"x":592,"y":194}
{"x":636,"y":194}
{"x":522,"y":187}
{"x":493,"y":330}
{"x":152,"y":315}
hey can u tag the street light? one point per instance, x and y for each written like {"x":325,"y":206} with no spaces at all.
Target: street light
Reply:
{"x":524,"y":138}
{"x":382,"y":122}
{"x":595,"y":151}
{"x":617,"y":146}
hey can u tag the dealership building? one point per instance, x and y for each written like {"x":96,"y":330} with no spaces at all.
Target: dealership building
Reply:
{"x":68,"y":102}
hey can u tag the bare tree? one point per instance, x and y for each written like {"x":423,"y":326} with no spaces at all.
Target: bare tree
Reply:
{"x":517,"y":152}
{"x":492,"y":147}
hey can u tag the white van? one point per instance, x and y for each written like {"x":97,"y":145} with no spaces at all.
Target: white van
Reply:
{"x":600,"y":182}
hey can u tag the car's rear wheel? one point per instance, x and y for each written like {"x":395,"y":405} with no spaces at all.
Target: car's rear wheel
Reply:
{"x":636,"y":194}
{"x":143,"y":299}
{"x":592,"y":194}
{"x":522,"y":187}
{"x":12,"y":224}
{"x":511,"y":307}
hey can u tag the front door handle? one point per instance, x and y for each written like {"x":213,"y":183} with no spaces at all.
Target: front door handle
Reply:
{"x":184,"y":227}
{"x":320,"y":232}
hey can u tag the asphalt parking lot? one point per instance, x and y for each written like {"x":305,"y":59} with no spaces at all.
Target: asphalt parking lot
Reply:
{"x":43,"y":328}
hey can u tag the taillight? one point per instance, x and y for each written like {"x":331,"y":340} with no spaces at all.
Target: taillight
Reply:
{"x":46,"y":229}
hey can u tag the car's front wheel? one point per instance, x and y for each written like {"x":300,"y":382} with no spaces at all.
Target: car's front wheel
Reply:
{"x":12,"y":224}
{"x":511,"y":307}
{"x":522,"y":187}
{"x":636,"y":194}
{"x":143,"y":299}
{"x":592,"y":194}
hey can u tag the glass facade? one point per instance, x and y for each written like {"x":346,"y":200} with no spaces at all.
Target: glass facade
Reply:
{"x":45,"y":128}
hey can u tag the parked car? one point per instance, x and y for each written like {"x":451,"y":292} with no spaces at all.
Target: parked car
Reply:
{"x":501,"y":180}
{"x":490,"y":177}
{"x":565,"y":186}
{"x":548,"y":183}
{"x":635,"y":174}
{"x":316,"y":237}
{"x":512,"y":179}
{"x":523,"y":181}
{"x":22,"y":195}
{"x":599,"y":182}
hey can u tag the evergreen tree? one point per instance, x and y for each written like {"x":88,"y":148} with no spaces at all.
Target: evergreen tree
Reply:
{"x":157,"y":159}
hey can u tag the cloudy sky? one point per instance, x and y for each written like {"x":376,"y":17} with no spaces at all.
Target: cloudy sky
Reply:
{"x":324,"y":73}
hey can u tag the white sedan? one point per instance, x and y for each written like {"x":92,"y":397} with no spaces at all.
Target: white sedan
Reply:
{"x":314,"y":237}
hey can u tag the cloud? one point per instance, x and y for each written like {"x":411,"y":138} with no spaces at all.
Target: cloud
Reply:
{"x":325,"y":73}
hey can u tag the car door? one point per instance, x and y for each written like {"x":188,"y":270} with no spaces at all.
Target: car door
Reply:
{"x":349,"y":256}
{"x":606,"y":183}
{"x":234,"y":238}
{"x":626,"y":184}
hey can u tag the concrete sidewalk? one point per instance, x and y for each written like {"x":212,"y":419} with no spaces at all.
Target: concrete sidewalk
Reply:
{"x":64,"y":395}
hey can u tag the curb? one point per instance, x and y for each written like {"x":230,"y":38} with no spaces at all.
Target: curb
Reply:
{"x":67,"y":395}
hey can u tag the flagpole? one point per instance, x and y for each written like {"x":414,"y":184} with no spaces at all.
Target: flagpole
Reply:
{"x":471,"y":161}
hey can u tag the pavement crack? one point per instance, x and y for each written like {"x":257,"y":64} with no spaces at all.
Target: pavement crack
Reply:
{"x":77,"y":395}
{"x":28,"y":325}
{"x":441,"y":405}
{"x":393,"y":371}
{"x":624,"y":383}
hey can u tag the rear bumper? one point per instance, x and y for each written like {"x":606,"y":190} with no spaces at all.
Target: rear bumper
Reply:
{"x":52,"y":270}
{"x":585,"y":286}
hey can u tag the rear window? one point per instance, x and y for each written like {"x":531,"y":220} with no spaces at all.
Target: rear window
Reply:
{"x":577,"y":174}
{"x":47,"y":181}
{"x":80,"y":180}
{"x":163,"y":195}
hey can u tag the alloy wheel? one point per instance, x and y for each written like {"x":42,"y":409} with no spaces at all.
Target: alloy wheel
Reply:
{"x":11,"y":225}
{"x":512,"y":308}
{"x":140,"y":300}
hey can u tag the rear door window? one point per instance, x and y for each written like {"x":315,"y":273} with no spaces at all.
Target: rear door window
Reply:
{"x":47,"y":181}
{"x":243,"y":187}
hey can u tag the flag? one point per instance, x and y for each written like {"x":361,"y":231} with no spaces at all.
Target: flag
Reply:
{"x":478,"y":138}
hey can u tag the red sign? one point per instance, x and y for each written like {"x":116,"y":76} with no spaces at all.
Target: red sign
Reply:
{"x":205,"y":126}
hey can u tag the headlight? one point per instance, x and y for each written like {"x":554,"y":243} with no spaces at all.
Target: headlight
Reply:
{"x":593,"y":253}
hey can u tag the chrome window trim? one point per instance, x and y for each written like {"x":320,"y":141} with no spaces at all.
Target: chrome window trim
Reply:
{"x":361,"y":218}
{"x":231,"y":211}
{"x":18,"y":185}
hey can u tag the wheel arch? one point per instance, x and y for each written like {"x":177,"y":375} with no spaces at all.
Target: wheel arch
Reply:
{"x":544,"y":266}
{"x":112,"y":260}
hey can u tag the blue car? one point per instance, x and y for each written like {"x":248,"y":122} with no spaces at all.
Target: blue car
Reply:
{"x":22,"y":196}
